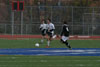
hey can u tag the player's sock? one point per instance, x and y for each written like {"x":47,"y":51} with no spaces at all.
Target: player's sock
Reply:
{"x":67,"y":44}
{"x":42,"y":41}
{"x":48,"y":43}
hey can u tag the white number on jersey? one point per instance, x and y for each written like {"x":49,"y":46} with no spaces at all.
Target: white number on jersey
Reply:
{"x":67,"y":29}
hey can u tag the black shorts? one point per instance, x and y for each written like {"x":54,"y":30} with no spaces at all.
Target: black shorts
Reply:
{"x":43,"y":32}
{"x":50,"y":34}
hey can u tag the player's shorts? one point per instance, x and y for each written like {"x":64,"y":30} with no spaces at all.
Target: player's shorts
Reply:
{"x":43,"y":32}
{"x":64,"y":38}
{"x":50,"y":34}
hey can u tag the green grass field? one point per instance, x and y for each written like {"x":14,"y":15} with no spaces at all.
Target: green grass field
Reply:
{"x":48,"y":61}
{"x":29,"y":43}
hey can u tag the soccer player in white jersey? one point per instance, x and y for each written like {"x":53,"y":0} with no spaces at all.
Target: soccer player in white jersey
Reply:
{"x":50,"y":31}
{"x":43,"y":28}
{"x":65,"y":34}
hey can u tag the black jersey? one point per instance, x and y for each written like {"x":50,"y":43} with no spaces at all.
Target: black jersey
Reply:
{"x":65,"y":30}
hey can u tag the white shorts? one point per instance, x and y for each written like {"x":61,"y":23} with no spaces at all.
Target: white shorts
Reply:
{"x":64,"y":38}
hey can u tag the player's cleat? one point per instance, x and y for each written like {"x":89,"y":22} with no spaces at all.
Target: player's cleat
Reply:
{"x":70,"y":48}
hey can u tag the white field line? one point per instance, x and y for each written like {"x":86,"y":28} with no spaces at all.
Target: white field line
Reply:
{"x":53,"y":61}
{"x":49,"y":65}
{"x":38,"y":57}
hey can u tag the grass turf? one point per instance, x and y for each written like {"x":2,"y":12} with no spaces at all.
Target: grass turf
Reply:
{"x":30,"y":43}
{"x":48,"y":61}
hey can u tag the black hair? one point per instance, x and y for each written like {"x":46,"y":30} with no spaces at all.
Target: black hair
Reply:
{"x":49,"y":19}
{"x":65,"y":22}
{"x":43,"y":20}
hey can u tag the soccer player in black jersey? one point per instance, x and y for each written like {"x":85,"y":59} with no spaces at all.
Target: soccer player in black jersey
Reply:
{"x":65,"y":34}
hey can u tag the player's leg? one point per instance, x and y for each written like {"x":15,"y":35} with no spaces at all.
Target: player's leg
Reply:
{"x":42,"y":40}
{"x":49,"y":39}
{"x":64,"y":40}
{"x":43,"y":36}
{"x":68,"y":45}
{"x":48,"y":42}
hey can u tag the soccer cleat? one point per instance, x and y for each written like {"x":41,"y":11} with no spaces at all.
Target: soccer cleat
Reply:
{"x":70,"y":48}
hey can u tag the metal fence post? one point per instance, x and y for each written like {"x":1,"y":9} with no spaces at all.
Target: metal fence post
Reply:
{"x":22,"y":23}
{"x":12,"y":23}
{"x":92,"y":20}
{"x":83,"y":25}
{"x":26,"y":29}
{"x":31,"y":18}
{"x":31,"y":15}
{"x":72,"y":20}
{"x":51,"y":13}
{"x":5,"y":28}
{"x":88,"y":30}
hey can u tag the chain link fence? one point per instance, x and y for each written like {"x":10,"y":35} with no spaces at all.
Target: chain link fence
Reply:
{"x":81,"y":20}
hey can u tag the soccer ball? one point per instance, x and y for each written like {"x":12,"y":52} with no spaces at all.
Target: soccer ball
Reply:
{"x":37,"y":45}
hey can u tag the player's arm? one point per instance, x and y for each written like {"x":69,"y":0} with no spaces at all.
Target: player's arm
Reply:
{"x":40,"y":27}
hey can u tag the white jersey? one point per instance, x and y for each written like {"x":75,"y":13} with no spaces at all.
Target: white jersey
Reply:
{"x":43,"y":26}
{"x":50,"y":26}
